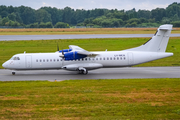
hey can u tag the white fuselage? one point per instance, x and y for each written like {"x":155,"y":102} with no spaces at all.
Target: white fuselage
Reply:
{"x":43,"y":61}
{"x":78,"y":61}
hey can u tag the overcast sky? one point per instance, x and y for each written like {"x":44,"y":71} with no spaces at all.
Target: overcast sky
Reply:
{"x":92,"y":4}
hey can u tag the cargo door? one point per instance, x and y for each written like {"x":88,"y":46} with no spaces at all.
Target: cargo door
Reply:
{"x":130,"y":57}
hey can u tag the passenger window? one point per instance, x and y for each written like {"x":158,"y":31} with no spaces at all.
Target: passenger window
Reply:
{"x":104,"y":58}
{"x":47,"y":60}
{"x":58,"y":60}
{"x":40,"y":60}
{"x":107,"y":58}
{"x":36,"y":60}
{"x":44,"y":60}
{"x":117,"y":58}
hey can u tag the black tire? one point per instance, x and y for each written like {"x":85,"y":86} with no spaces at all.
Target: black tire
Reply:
{"x":85,"y":72}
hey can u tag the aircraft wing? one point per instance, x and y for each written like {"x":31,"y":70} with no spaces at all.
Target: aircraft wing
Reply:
{"x":81,"y":51}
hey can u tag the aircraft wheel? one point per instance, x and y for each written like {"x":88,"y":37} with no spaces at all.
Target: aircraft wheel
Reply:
{"x":85,"y":72}
{"x":13,"y":73}
{"x":81,"y":71}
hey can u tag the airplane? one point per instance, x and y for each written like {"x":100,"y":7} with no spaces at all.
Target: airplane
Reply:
{"x":78,"y":59}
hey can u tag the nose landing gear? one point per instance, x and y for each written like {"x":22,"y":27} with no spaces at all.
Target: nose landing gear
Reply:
{"x":13,"y":73}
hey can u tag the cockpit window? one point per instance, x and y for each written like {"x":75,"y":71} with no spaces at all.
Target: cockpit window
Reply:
{"x":15,"y":58}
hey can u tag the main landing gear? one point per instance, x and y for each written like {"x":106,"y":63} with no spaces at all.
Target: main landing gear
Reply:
{"x":83,"y":71}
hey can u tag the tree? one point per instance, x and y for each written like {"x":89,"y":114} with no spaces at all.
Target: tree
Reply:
{"x":176,"y":23}
{"x":56,"y":14}
{"x":42,"y":25}
{"x":158,"y":14}
{"x":10,"y":9}
{"x":106,"y":23}
{"x":175,"y":17}
{"x":34,"y":25}
{"x":61,"y":25}
{"x":18,"y":17}
{"x":166,"y":20}
{"x":42,"y":15}
{"x":144,"y":14}
{"x":28,"y":15}
{"x":0,"y":21}
{"x":48,"y":16}
{"x":12,"y":16}
{"x":4,"y":14}
{"x":5,"y":20}
{"x":16,"y":24}
{"x":49,"y":25}
{"x":134,"y":20}
{"x":173,"y":9}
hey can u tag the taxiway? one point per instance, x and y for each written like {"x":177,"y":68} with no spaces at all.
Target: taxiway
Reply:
{"x":105,"y":73}
{"x":51,"y":37}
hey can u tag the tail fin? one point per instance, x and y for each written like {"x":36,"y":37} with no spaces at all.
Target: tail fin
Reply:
{"x":158,"y":42}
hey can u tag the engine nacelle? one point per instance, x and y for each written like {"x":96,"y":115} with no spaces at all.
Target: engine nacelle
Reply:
{"x":73,"y":56}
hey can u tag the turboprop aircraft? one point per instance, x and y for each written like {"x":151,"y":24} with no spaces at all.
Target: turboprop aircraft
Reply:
{"x":78,"y":59}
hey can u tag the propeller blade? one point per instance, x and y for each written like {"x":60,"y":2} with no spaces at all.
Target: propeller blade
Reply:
{"x":57,"y":47}
{"x":62,"y":56}
{"x":62,"y":52}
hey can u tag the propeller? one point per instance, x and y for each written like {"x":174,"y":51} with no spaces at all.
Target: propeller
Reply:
{"x":58,"y":51}
{"x":57,"y":47}
{"x":62,"y":55}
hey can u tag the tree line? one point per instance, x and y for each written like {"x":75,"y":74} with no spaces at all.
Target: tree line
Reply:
{"x":48,"y":17}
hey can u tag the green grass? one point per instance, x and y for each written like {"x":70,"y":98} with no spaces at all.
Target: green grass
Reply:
{"x":9,"y":48}
{"x":132,"y":99}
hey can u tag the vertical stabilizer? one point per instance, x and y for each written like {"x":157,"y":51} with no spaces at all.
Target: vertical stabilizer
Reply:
{"x":158,"y":42}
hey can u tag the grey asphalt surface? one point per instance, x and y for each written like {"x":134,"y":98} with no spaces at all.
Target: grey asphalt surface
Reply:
{"x":108,"y":73}
{"x":104,"y":73}
{"x":50,"y":37}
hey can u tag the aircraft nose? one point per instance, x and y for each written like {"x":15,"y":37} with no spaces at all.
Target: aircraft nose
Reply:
{"x":4,"y":64}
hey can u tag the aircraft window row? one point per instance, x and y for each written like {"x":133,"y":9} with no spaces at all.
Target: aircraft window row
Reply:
{"x":15,"y":58}
{"x":83,"y":59}
{"x":104,"y":58}
{"x":48,"y":60}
